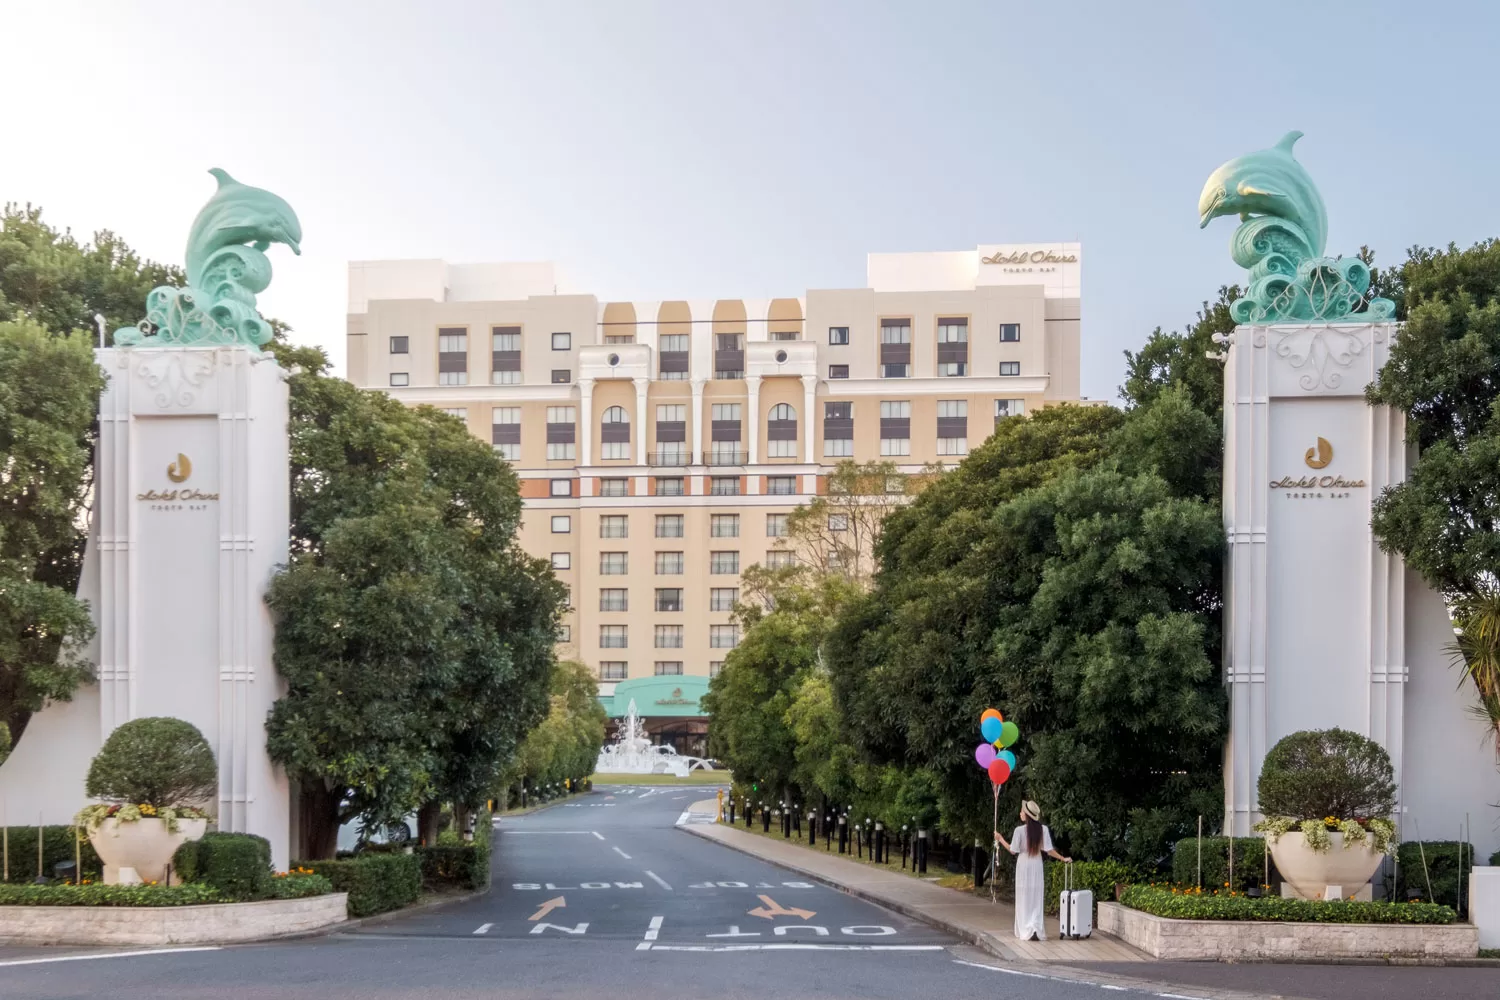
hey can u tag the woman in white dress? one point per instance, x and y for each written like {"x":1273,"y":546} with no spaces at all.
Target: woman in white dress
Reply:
{"x":1028,"y":843}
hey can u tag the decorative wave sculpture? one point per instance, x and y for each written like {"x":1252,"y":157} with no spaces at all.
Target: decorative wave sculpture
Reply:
{"x":224,"y":274}
{"x":1280,"y":241}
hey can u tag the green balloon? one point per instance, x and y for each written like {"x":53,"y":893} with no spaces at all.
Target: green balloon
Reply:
{"x":1009,"y":733}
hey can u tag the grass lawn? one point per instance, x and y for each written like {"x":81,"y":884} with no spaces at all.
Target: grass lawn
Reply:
{"x":693,"y":778}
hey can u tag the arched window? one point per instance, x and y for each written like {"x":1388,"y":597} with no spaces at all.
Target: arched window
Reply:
{"x":615,"y":433}
{"x":781,"y":432}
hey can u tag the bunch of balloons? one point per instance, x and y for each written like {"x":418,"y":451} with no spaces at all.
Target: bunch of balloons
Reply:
{"x":991,"y":755}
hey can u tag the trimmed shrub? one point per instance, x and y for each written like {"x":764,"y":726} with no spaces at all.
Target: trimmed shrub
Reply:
{"x":238,"y":865}
{"x":1495,"y":860}
{"x":375,"y":882}
{"x":1249,"y":862}
{"x":185,"y":861}
{"x":97,"y":894}
{"x":157,"y":760}
{"x":1192,"y":906}
{"x":57,"y":845}
{"x":1327,"y":772}
{"x":1443,"y":868}
{"x":297,"y":886}
{"x":1100,"y":876}
{"x":467,"y":866}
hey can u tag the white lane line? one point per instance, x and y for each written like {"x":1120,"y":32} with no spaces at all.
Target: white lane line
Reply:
{"x":658,"y":880}
{"x":551,"y":833}
{"x":483,"y":928}
{"x":597,"y":834}
{"x":794,"y":947}
{"x":1074,"y":982}
{"x":651,"y":933}
{"x":112,"y":954}
{"x":622,"y":854}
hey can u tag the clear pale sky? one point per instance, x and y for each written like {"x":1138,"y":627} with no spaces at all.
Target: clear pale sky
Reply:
{"x":687,"y":150}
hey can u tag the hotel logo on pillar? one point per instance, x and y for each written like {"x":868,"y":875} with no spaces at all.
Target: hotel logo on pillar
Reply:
{"x":1318,"y":457}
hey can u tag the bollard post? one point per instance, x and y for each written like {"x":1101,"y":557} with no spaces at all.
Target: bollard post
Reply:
{"x":843,"y":834}
{"x":903,"y":847}
{"x":749,"y":814}
{"x":812,"y":829}
{"x":859,"y":840}
{"x":879,"y":843}
{"x":765,"y":818}
{"x":731,"y":810}
{"x":827,"y":833}
{"x":786,"y":824}
{"x":921,"y":854}
{"x":980,"y":864}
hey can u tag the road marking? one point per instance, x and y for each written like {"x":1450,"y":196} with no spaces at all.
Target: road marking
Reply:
{"x":622,"y":854}
{"x":682,"y":820}
{"x":651,"y":933}
{"x":597,"y":834}
{"x":112,"y":954}
{"x":658,"y":880}
{"x":483,"y":929}
{"x":547,"y":907}
{"x":772,"y":909}
{"x":817,"y":931}
{"x":734,"y":931}
{"x":551,"y":833}
{"x":580,"y":929}
{"x":799,"y":946}
{"x":1074,"y":982}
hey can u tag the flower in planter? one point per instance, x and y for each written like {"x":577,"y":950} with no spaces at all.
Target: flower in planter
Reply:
{"x":150,"y":768}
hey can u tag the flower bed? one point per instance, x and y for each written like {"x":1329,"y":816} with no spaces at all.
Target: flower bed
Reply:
{"x":1194,"y":904}
{"x":99,"y":894}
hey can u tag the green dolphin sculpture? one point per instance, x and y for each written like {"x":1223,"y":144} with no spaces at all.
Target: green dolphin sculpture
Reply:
{"x":238,"y":214}
{"x":1268,"y":182}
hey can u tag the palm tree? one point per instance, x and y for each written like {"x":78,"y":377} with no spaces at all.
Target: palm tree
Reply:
{"x":1477,"y":650}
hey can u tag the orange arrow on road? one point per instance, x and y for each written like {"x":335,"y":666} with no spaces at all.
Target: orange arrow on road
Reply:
{"x":548,"y":907}
{"x":772,"y":909}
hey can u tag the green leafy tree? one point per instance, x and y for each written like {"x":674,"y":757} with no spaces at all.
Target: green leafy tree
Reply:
{"x":564,"y":745}
{"x":1182,"y":359}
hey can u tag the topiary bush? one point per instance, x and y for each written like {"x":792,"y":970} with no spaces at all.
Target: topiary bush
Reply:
{"x":158,"y":761}
{"x":1327,"y":772}
{"x":238,"y":865}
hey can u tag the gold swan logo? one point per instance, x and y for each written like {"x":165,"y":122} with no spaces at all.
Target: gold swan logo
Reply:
{"x":179,"y":470}
{"x":1320,"y":456}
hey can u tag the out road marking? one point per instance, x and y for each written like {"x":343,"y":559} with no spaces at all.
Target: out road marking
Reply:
{"x":622,"y":854}
{"x":597,"y":834}
{"x":580,"y":929}
{"x":546,"y":908}
{"x":772,"y":909}
{"x":658,"y":880}
{"x":483,"y":928}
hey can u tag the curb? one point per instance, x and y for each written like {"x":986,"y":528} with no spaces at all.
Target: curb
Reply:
{"x":405,"y":911}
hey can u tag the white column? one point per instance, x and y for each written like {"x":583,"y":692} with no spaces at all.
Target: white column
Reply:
{"x":641,"y":387}
{"x":809,"y":417}
{"x":752,"y":423}
{"x":585,"y":421}
{"x":696,"y":444}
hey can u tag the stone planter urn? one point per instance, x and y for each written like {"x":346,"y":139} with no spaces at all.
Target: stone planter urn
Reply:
{"x":1311,"y":873}
{"x":145,"y":845}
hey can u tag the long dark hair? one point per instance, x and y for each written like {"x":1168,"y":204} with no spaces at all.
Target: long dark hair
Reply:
{"x":1033,"y":836}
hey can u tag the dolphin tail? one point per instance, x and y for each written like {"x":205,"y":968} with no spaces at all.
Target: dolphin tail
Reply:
{"x":222,"y":176}
{"x":1288,"y":141}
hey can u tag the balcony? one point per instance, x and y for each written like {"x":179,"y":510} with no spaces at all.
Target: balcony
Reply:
{"x":719,"y":458}
{"x":669,"y":458}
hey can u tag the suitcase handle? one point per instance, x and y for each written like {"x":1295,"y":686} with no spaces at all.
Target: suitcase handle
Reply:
{"x":1068,"y":877}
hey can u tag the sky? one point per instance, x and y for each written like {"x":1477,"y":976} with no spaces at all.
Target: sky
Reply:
{"x":750,"y":150}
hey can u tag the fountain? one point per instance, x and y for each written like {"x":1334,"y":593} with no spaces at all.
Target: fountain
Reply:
{"x":632,"y":752}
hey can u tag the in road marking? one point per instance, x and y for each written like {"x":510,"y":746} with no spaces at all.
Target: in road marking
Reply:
{"x":597,"y":834}
{"x":112,"y":954}
{"x":547,"y":908}
{"x":580,"y":929}
{"x":622,"y":854}
{"x":658,"y":880}
{"x":788,"y":946}
{"x":483,"y":929}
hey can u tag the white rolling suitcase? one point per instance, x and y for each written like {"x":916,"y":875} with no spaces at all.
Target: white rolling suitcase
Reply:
{"x":1075,"y":912}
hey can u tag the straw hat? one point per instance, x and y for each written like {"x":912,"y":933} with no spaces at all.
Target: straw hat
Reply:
{"x":1031,"y":810}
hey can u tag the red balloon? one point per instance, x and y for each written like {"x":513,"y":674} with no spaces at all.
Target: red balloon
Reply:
{"x":999,"y":771}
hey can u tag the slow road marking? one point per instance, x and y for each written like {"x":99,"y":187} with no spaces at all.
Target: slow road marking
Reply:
{"x":547,"y":908}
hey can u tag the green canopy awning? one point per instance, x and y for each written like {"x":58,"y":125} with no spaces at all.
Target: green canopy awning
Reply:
{"x":658,"y":696}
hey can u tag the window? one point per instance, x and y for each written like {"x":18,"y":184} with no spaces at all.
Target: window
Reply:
{"x":724,"y":486}
{"x":562,"y":341}
{"x":505,"y":355}
{"x":562,"y":376}
{"x":669,"y":564}
{"x":668,"y":668}
{"x":781,"y":431}
{"x":561,"y":524}
{"x":724,"y":525}
{"x":715,"y":667}
{"x":670,"y":487}
{"x":1009,"y":408}
{"x":453,"y":356}
{"x":561,"y":433}
{"x":781,"y":486}
{"x":614,"y":599}
{"x":953,"y":347}
{"x":671,"y":434}
{"x":668,"y":599}
{"x":461,"y":412}
{"x":895,"y":348}
{"x":838,"y":522}
{"x":780,"y":559}
{"x":838,"y":371}
{"x":567,"y":602}
{"x":614,"y":563}
{"x":723,"y":598}
{"x":614,"y":526}
{"x":668,"y":525}
{"x":723,"y":563}
{"x":895,"y":485}
{"x":838,"y":335}
{"x":672,"y":356}
{"x":838,"y":429}
{"x":895,"y":428}
{"x":953,"y":426}
{"x":668,"y":637}
{"x":729,"y":355}
{"x":1010,"y":368}
{"x":614,"y":487}
{"x":723,"y":636}
{"x":1010,"y":333}
{"x":724,"y":434}
{"x":400,"y":345}
{"x":564,"y":633}
{"x":562,"y":560}
{"x":838,"y":447}
{"x":400,"y":378}
{"x":785,"y":335}
{"x":612,"y":670}
{"x":776,"y":525}
{"x":614,"y":636}
{"x":560,"y":487}
{"x":619,"y":338}
{"x":833,"y":560}
{"x":615,"y":433}
{"x":505,"y":432}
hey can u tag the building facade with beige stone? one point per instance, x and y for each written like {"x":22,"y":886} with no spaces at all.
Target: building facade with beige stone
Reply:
{"x":661,"y":444}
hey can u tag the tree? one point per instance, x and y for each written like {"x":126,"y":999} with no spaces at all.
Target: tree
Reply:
{"x":49,"y":386}
{"x":566,"y":744}
{"x":1182,"y":359}
{"x":836,"y":533}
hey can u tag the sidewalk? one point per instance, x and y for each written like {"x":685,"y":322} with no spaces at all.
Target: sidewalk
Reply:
{"x":973,"y":918}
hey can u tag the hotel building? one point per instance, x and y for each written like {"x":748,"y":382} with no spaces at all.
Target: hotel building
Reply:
{"x":660,"y":445}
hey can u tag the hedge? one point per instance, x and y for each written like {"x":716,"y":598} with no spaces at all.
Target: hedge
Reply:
{"x":467,"y":867}
{"x":375,"y":882}
{"x":1099,"y":876}
{"x":1192,"y":906}
{"x":236,"y":864}
{"x":97,"y":894}
{"x":1442,"y":867}
{"x":1495,"y":860}
{"x":297,"y":886}
{"x":57,"y":845}
{"x":1249,"y":862}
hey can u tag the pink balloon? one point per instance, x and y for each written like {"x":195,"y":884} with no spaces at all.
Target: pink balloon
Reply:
{"x":985,"y":755}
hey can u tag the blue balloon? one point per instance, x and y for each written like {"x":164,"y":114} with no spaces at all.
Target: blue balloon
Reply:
{"x":1008,"y":757}
{"x":990,"y":729}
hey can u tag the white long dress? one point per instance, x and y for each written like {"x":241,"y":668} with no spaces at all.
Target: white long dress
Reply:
{"x":1031,"y":885}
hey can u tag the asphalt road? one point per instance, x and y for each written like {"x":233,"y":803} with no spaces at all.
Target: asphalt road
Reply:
{"x":603,"y":898}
